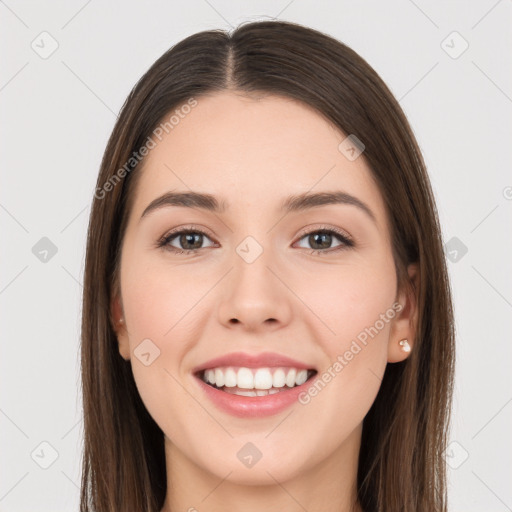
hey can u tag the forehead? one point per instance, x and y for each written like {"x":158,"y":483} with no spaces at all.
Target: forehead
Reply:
{"x":253,"y":152}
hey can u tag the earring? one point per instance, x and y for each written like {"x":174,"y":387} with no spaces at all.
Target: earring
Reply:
{"x":121,"y":320}
{"x":404,"y":344}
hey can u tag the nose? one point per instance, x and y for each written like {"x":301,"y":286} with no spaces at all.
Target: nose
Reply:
{"x":254,"y":296}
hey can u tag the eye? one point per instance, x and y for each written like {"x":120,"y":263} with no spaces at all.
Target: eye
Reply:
{"x":321,"y":240}
{"x":188,"y":240}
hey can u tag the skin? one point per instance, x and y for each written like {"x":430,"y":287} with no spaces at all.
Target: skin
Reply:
{"x":253,"y":153}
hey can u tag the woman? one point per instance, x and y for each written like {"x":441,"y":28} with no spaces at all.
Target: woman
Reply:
{"x":267,"y":319}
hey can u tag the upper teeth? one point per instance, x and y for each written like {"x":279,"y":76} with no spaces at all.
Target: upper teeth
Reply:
{"x":255,"y":378}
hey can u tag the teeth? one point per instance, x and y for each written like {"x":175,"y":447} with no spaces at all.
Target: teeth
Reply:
{"x":267,"y":380}
{"x":210,"y":376}
{"x":279,"y":378}
{"x":229,"y":378}
{"x":219,"y":378}
{"x":252,"y":392}
{"x":245,"y":378}
{"x":249,"y":392}
{"x":302,"y":376}
{"x":290,"y":378}
{"x":262,"y":379}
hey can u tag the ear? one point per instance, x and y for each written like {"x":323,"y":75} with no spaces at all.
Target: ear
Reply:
{"x":405,"y":323}
{"x":119,"y":326}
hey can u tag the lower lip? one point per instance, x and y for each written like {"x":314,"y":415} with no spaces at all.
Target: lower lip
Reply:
{"x":253,"y":406}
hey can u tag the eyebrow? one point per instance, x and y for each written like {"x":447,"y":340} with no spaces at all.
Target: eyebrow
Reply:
{"x":295,"y":203}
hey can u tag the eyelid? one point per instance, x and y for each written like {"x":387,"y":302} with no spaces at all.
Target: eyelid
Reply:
{"x":186,"y":228}
{"x":323,"y":227}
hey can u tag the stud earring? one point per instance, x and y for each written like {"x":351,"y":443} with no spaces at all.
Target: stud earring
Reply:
{"x":121,"y":320}
{"x":404,"y":344}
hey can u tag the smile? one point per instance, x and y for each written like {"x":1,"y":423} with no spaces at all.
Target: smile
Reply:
{"x":253,"y":385}
{"x":252,"y":382}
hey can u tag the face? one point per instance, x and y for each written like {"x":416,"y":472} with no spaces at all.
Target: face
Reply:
{"x":259,"y":283}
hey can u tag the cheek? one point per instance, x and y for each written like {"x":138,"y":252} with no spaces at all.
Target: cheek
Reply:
{"x":163,"y":324}
{"x":160,"y":301}
{"x":348,"y":299}
{"x":354,"y":306}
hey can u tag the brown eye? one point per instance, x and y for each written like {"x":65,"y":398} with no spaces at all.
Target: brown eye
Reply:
{"x":321,"y":241}
{"x":184,"y":241}
{"x":191,"y":241}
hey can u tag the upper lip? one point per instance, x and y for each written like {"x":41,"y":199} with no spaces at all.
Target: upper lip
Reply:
{"x":262,"y":360}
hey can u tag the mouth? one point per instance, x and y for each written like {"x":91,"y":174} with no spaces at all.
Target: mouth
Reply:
{"x":255,"y":382}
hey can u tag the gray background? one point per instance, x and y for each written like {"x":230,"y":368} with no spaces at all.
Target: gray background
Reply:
{"x":58,"y":110}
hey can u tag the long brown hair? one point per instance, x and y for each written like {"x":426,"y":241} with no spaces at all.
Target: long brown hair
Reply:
{"x":401,"y":463}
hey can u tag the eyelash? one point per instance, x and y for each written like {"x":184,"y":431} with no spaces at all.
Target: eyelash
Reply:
{"x":347,"y":242}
